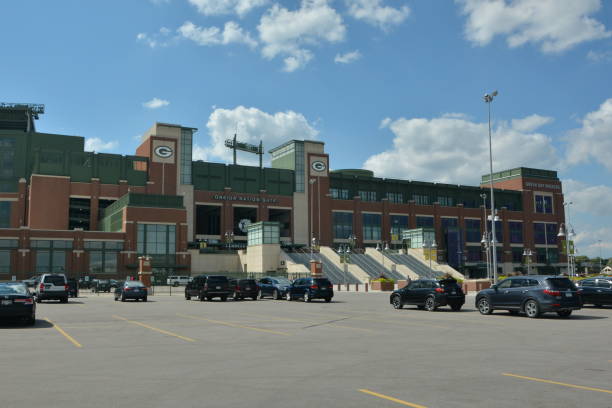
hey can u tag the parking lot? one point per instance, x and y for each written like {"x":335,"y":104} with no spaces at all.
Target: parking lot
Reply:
{"x":354,"y":352}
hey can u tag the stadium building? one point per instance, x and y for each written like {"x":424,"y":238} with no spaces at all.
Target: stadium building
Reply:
{"x":90,"y":213}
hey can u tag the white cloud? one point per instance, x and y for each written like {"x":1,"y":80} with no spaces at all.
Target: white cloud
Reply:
{"x":232,"y":33}
{"x":456,"y":150}
{"x":587,"y":241}
{"x":218,"y":7}
{"x":530,"y":123}
{"x":200,"y":153}
{"x":155,"y":103}
{"x":603,"y":56}
{"x":593,"y":141}
{"x":384,"y":123}
{"x":287,"y":33}
{"x":254,"y":125}
{"x":95,"y":144}
{"x":594,"y":200}
{"x":554,"y":25}
{"x":374,"y":13}
{"x":348,"y":57}
{"x":159,"y":39}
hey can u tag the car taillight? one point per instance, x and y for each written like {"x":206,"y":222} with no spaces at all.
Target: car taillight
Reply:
{"x":66,"y":287}
{"x":237,"y":287}
{"x":205,"y":286}
{"x":41,"y":287}
{"x":127,"y":289}
{"x":330,"y":287}
{"x":439,"y":290}
{"x":26,"y":301}
{"x":314,"y":287}
{"x":552,"y":292}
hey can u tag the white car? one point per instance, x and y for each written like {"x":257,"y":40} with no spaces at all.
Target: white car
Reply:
{"x":178,"y":280}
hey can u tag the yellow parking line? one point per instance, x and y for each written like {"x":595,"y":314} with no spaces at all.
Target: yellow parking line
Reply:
{"x":581,"y":387}
{"x":63,"y":333}
{"x":399,"y":401}
{"x":155,"y":329}
{"x":234,"y":325}
{"x":310,"y":322}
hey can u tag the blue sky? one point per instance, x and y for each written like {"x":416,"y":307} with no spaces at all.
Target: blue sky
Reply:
{"x":391,"y":85}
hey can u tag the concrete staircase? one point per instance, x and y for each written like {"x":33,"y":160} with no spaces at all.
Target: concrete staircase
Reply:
{"x":353,"y":268}
{"x":373,"y":268}
{"x":330,"y":269}
{"x":403,"y":270}
{"x":417,"y":255}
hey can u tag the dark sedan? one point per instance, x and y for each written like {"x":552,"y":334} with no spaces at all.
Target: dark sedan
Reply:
{"x":311,"y":288}
{"x":429,"y":294}
{"x":131,"y":290}
{"x":531,"y":294}
{"x":596,"y":291}
{"x":16,"y":301}
{"x":244,"y":288}
{"x":274,"y":287}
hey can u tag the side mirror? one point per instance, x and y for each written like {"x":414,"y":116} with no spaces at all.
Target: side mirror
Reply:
{"x":494,"y":287}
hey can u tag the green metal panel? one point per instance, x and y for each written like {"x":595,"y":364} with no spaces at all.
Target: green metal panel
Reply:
{"x":286,"y":161}
{"x":521,"y":172}
{"x":244,"y":179}
{"x":279,"y":181}
{"x":208,"y":176}
{"x":144,"y":200}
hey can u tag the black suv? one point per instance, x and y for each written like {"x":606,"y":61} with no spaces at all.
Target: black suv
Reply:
{"x":208,"y":287}
{"x":429,"y":294}
{"x":310,"y":288}
{"x":244,"y":288}
{"x":531,"y":294}
{"x":596,"y":291}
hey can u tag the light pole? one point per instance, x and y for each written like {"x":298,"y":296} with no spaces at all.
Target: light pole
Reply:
{"x":311,"y":182}
{"x":565,"y":231}
{"x":352,"y":239}
{"x":527,"y":253}
{"x":430,"y":246}
{"x":229,"y":238}
{"x":488,"y":98}
{"x":486,"y":234}
{"x":313,"y":242}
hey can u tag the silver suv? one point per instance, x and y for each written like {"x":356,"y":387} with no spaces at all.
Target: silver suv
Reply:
{"x":52,"y":286}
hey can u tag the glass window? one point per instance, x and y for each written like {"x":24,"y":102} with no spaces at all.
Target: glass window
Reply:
{"x":396,"y":198}
{"x":587,"y":282}
{"x":472,"y":231}
{"x":543,"y":204}
{"x":423,"y":221}
{"x":545,"y":233}
{"x":474,"y":254}
{"x":342,"y":224}
{"x":421,"y":199}
{"x":371,"y":226}
{"x":43,"y":261}
{"x":78,"y":213}
{"x":156,"y":239}
{"x":517,"y":255}
{"x":505,"y":284}
{"x":5,"y":261}
{"x":448,"y":222}
{"x":299,"y":167}
{"x":446,"y":201}
{"x":398,"y":223}
{"x":339,"y":193}
{"x":7,"y":158}
{"x":186,"y":156}
{"x":95,"y":262}
{"x":603,"y":283}
{"x":5,"y":214}
{"x":8,"y":243}
{"x":499,"y":231}
{"x":516,"y":232}
{"x":367,"y":195}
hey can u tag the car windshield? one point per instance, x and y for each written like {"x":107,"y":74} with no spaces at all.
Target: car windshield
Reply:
{"x":322,"y":282}
{"x":56,"y":280}
{"x":560,"y":283}
{"x":134,"y":284}
{"x":448,"y":283}
{"x":103,"y":281}
{"x":282,"y":281}
{"x":217,"y":279}
{"x":13,"y":289}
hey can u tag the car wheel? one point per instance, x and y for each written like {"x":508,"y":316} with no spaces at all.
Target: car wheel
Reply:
{"x":38,"y":299}
{"x":564,"y":313}
{"x":223,"y":298}
{"x":260,"y":294}
{"x":597,"y":305}
{"x":327,"y":299}
{"x":397,"y":302}
{"x":122,"y":298}
{"x":254,"y":298}
{"x":275,"y":295}
{"x":456,"y":306}
{"x":288,"y":297}
{"x":430,"y":304}
{"x":420,"y":307}
{"x":187,"y":297}
{"x":116,"y":298}
{"x":144,"y":299}
{"x":31,"y":321}
{"x":484,"y":307}
{"x":64,"y":300}
{"x":307,"y":297}
{"x":236,"y":297}
{"x":202,"y":297}
{"x":532,"y":309}
{"x":209,"y":298}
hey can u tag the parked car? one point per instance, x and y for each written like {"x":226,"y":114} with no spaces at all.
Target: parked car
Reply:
{"x":244,"y":288}
{"x":209,"y":287}
{"x":114,"y":283}
{"x":274,"y":286}
{"x":31,"y":282}
{"x":531,"y":294}
{"x":73,"y":288}
{"x":596,"y":291}
{"x":178,"y":280}
{"x":131,"y":290}
{"x":85,"y":282}
{"x":101,"y":285}
{"x":193,"y":288}
{"x":429,"y":294}
{"x":52,"y":286}
{"x":310,"y":288}
{"x":16,"y":301}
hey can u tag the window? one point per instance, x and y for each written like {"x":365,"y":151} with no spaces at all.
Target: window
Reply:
{"x":420,"y":199}
{"x":7,"y":158}
{"x":472,"y":231}
{"x":474,"y":254}
{"x":547,"y":255}
{"x":446,"y":201}
{"x":342,"y":224}
{"x":50,"y":255}
{"x":264,"y":233}
{"x":339,"y":193}
{"x":5,"y":261}
{"x":543,"y":204}
{"x":79,"y":211}
{"x":499,"y":231}
{"x":396,"y":198}
{"x":517,"y":255}
{"x":5,"y":214}
{"x":283,"y":217}
{"x":545,"y":233}
{"x":299,"y":167}
{"x":367,"y":195}
{"x":505,"y":284}
{"x":398,"y":223}
{"x":423,"y":222}
{"x":587,"y":282}
{"x":603,"y":284}
{"x":186,"y":146}
{"x":103,"y":256}
{"x":448,"y":223}
{"x":519,"y":283}
{"x":516,"y":232}
{"x":371,"y":226}
{"x":156,"y":239}
{"x":102,"y":205}
{"x":208,"y":220}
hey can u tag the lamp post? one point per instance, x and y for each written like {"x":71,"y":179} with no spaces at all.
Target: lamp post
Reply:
{"x":488,"y":98}
{"x":429,"y":245}
{"x":382,"y":247}
{"x":567,"y":235}
{"x":486,"y":234}
{"x":527,"y":253}
{"x":311,"y":182}
{"x":229,"y":239}
{"x":352,"y":239}
{"x":313,"y":243}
